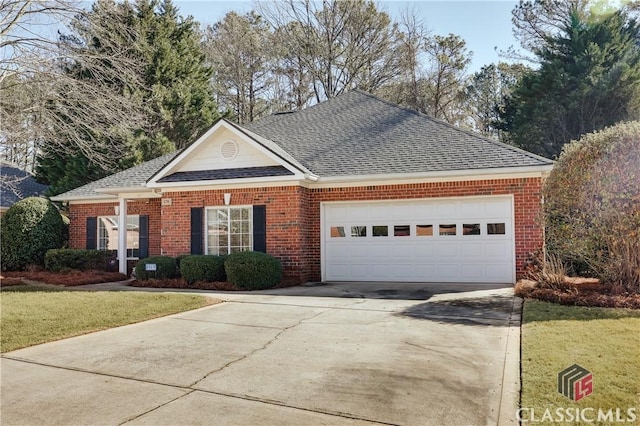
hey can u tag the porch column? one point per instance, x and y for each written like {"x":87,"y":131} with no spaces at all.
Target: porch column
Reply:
{"x":122,"y":236}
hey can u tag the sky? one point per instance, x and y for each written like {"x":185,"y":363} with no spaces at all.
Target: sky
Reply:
{"x":484,"y":25}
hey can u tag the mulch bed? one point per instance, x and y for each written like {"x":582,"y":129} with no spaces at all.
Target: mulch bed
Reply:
{"x":580,"y":292}
{"x":8,"y":282}
{"x":182,"y":284}
{"x":70,"y":278}
{"x":200,"y":285}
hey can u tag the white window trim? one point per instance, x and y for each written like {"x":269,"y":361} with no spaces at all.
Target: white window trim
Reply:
{"x":116,"y":223}
{"x":228,"y":208}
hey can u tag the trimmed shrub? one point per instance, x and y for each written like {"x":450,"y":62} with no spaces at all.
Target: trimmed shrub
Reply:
{"x":165,"y":268}
{"x":29,"y":228}
{"x":253,"y":270}
{"x":57,"y":260}
{"x":202,"y":268}
{"x":592,"y":206}
{"x":179,"y":261}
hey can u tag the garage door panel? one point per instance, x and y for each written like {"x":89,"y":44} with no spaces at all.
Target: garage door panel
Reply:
{"x":401,"y":212}
{"x":467,"y":210}
{"x":497,"y":250}
{"x":496,"y":271}
{"x":447,"y":211}
{"x":378,"y":251}
{"x":498,"y":208}
{"x":338,"y":251}
{"x":473,"y":272}
{"x":359,"y":271}
{"x":487,"y":257}
{"x":449,"y":249}
{"x":473,"y":251}
{"x":449,"y":272}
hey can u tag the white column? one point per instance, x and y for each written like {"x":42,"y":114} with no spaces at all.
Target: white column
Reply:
{"x":122,"y":236}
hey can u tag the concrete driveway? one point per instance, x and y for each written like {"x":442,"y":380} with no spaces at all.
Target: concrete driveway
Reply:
{"x":342,"y":353}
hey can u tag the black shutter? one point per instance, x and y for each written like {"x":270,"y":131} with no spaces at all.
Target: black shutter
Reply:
{"x":92,"y":233}
{"x":143,"y":237}
{"x":260,"y":228}
{"x":197,"y":230}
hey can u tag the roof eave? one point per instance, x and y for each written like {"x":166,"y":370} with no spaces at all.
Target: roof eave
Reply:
{"x":99,"y":197}
{"x":506,"y":171}
{"x":239,"y":181}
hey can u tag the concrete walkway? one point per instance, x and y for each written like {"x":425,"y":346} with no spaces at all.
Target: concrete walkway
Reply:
{"x":330,"y":354}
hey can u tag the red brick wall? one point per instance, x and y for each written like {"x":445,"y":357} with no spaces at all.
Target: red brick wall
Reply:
{"x":78,"y":214}
{"x":293,"y":216}
{"x":286,"y":227}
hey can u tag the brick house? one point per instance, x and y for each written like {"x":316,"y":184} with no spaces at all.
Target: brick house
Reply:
{"x":352,"y":189}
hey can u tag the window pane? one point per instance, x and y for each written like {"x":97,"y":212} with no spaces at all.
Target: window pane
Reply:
{"x":447,"y":229}
{"x":229,"y":230}
{"x":358,"y":231}
{"x":495,"y":229}
{"x":471,"y":229}
{"x":401,"y":230}
{"x":108,"y":234}
{"x":380,"y":231}
{"x":424,"y":230}
{"x":337,"y":231}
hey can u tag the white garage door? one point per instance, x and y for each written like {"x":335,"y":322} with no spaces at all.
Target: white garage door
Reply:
{"x":437,"y":240}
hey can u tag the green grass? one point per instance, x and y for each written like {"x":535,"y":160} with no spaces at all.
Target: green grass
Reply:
{"x":31,"y":315}
{"x":604,"y":341}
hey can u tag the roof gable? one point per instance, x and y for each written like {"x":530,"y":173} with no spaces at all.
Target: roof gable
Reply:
{"x":225,"y":152}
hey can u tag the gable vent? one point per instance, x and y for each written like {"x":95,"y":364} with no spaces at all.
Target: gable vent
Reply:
{"x":229,"y":150}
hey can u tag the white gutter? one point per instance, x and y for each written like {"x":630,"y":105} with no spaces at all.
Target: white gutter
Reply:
{"x":438,"y":174}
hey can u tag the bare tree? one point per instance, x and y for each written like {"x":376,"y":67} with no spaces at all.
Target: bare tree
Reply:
{"x":449,"y":60}
{"x":71,"y":94}
{"x":408,"y":86}
{"x":341,"y":44}
{"x":239,"y":50}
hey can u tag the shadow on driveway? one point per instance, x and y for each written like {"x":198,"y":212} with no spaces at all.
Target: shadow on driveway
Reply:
{"x":487,"y":310}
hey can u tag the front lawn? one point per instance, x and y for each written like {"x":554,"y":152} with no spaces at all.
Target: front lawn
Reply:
{"x":31,"y":315}
{"x":604,"y":341}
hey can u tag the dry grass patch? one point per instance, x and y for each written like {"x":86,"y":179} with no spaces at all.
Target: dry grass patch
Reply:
{"x":604,"y":341}
{"x":37,"y":314}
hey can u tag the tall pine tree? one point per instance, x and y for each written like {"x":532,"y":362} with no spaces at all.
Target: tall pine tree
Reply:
{"x":589,"y":78}
{"x":174,"y":93}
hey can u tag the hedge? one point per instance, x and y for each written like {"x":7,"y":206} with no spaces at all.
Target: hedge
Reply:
{"x":57,"y":260}
{"x":165,"y":268}
{"x":252,"y":270}
{"x":592,"y":205}
{"x":202,"y":268}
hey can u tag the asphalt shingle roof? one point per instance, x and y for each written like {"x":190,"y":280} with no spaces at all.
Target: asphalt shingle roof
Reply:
{"x":133,"y":177}
{"x":243,"y":172}
{"x":17,"y":184}
{"x":353,"y":134}
{"x":359,"y":134}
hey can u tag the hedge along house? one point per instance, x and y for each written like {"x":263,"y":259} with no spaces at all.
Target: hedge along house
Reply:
{"x":352,"y":189}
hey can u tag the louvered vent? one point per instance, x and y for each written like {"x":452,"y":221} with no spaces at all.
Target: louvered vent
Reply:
{"x":229,"y":150}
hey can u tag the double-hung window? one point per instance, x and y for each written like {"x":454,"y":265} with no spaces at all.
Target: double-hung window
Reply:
{"x":108,"y":234}
{"x":229,"y":230}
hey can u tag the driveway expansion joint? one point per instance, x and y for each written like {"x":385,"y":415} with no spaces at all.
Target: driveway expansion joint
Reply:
{"x":263,"y":347}
{"x":155,"y":408}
